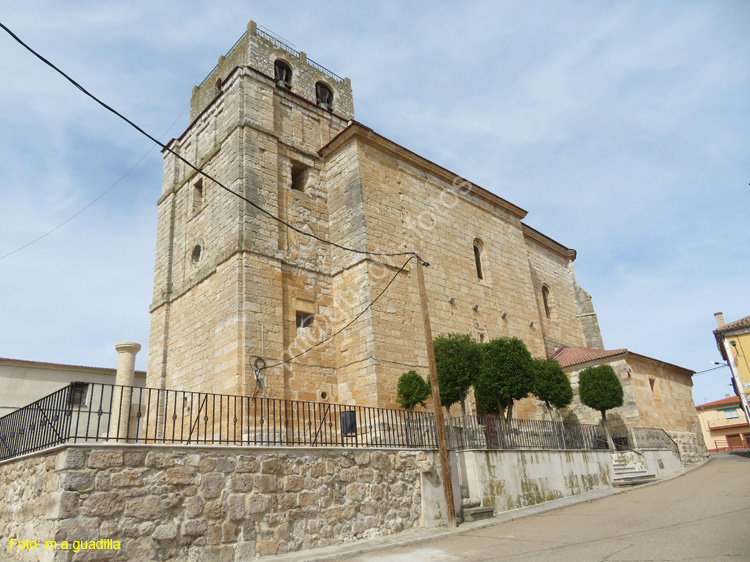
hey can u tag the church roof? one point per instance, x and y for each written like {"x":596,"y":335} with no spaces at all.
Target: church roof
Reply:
{"x":569,"y":356}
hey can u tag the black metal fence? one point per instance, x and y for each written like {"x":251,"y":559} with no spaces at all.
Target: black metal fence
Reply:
{"x":92,"y":412}
{"x":644,"y":439}
{"x":493,"y":432}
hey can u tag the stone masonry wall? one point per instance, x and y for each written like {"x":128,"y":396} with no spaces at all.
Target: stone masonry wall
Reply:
{"x":207,"y":504}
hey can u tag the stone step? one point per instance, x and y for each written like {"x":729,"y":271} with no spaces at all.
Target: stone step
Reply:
{"x":477,"y":513}
{"x":629,"y":471}
{"x":633,"y":480}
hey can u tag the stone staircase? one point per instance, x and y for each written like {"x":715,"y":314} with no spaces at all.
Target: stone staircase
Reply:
{"x":628,"y":475}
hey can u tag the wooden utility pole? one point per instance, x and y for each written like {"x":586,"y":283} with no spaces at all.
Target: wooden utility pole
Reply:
{"x":445,"y":463}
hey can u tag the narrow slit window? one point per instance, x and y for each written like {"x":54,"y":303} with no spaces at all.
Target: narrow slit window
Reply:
{"x":478,"y":259}
{"x":198,"y":196}
{"x":545,"y":298}
{"x":654,"y":388}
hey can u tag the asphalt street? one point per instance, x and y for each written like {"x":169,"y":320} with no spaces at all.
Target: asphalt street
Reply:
{"x":700,"y":516}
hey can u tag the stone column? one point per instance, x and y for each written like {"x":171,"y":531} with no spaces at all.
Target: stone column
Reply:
{"x":126,"y":352}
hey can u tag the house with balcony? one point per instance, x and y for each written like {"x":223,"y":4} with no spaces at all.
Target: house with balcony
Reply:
{"x":724,"y":425}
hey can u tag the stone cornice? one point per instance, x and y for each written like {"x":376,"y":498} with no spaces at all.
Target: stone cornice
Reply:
{"x":360,"y":132}
{"x":547,"y":242}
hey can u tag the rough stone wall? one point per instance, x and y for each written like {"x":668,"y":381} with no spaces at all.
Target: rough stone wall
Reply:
{"x":691,"y":445}
{"x":192,"y":504}
{"x":30,"y":503}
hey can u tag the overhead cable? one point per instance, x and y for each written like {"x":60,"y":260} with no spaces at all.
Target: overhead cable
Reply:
{"x":200,"y":171}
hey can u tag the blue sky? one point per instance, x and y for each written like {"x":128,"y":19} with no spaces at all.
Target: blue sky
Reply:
{"x":622,"y":127}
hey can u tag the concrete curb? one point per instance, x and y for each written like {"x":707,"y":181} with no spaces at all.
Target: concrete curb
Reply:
{"x":412,"y":537}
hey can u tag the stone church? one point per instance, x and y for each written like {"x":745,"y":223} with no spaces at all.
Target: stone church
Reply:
{"x":233,"y":284}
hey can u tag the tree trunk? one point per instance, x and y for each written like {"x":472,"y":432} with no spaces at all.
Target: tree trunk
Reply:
{"x":610,"y":443}
{"x":562,"y":429}
{"x":549,"y":411}
{"x":509,"y":410}
{"x":500,"y":407}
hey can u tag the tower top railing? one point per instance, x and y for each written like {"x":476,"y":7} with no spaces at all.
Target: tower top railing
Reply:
{"x":278,"y":42}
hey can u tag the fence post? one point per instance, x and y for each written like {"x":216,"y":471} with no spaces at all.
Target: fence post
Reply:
{"x":120,"y":421}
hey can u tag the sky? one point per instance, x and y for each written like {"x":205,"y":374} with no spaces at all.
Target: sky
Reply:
{"x":621,"y":127}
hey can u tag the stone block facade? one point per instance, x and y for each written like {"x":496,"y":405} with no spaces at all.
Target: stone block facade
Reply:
{"x":207,"y":504}
{"x":233,"y":283}
{"x":655,"y":395}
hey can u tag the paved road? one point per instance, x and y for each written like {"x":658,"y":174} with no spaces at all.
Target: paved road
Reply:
{"x":701,"y":516}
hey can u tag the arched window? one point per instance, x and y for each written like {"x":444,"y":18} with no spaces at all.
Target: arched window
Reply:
{"x":478,"y":257}
{"x":545,"y":298}
{"x":283,"y":74}
{"x":323,"y":95}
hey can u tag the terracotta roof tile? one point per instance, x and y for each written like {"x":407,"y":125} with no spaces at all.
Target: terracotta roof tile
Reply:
{"x":736,"y":325}
{"x":723,"y":402}
{"x":569,"y":356}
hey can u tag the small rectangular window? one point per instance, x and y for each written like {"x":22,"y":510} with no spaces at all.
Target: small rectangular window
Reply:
{"x":731,"y":414}
{"x":300,"y":174}
{"x":78,"y":396}
{"x":304,"y":320}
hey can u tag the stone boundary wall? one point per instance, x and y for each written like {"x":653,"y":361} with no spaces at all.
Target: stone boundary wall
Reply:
{"x":167,"y":503}
{"x":507,"y":480}
{"x":691,"y":446}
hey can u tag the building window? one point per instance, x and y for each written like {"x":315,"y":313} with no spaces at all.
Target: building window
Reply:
{"x":300,"y":174}
{"x":545,"y":298}
{"x":654,"y":388}
{"x":78,"y":396}
{"x":283,"y":74}
{"x":198,"y":196}
{"x":195,"y":257}
{"x":304,"y":320}
{"x":731,"y":414}
{"x":478,"y":258}
{"x":323,"y":95}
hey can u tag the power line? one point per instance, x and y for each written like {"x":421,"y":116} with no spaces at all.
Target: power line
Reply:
{"x":102,"y":194}
{"x":711,"y":369}
{"x":353,"y":320}
{"x":207,"y":176}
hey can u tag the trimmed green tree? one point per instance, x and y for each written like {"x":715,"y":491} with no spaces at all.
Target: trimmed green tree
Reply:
{"x":458,"y":359}
{"x":412,"y":390}
{"x":599,"y":388}
{"x":506,"y":375}
{"x":551,"y":385}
